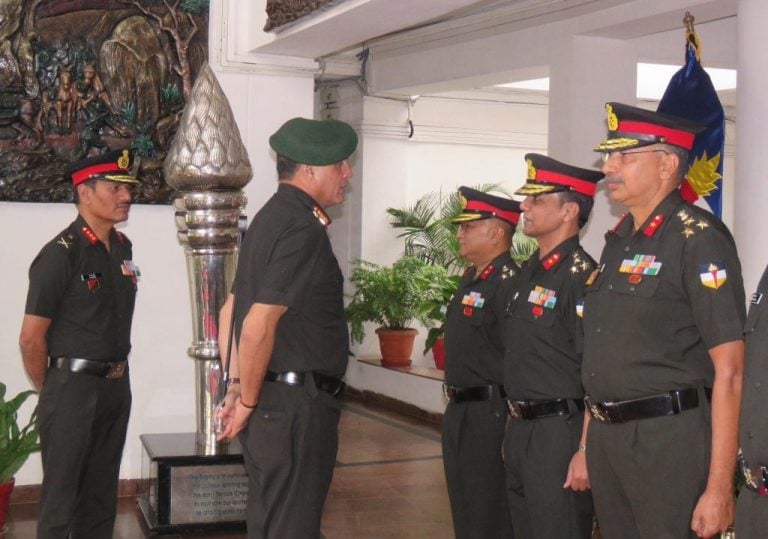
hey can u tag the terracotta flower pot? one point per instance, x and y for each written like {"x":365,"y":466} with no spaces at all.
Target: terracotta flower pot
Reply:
{"x":5,"y":500}
{"x":396,"y":346}
{"x":438,"y":352}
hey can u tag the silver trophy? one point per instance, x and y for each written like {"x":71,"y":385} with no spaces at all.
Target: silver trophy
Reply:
{"x":208,"y":165}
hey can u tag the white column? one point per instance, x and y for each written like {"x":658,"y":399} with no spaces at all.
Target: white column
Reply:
{"x":751,"y":190}
{"x":585,"y":73}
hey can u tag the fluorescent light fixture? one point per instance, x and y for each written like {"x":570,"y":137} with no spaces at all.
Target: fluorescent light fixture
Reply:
{"x":652,"y":79}
{"x":532,"y":84}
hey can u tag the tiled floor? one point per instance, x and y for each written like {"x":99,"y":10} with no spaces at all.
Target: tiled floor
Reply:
{"x":388,"y":483}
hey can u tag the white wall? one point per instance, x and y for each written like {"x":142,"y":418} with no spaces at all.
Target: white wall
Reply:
{"x":161,"y":371}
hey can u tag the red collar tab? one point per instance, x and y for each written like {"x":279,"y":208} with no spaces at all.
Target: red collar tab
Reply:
{"x":90,"y":235}
{"x":677,"y":137}
{"x":580,"y":186}
{"x":480,"y":206}
{"x":486,"y":273}
{"x":551,"y":261}
{"x":654,"y":225}
{"x":615,"y":228}
{"x":468,"y":271}
{"x":120,"y":236}
{"x":321,"y":216}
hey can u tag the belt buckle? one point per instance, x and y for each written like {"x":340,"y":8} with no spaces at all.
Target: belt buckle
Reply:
{"x":116,"y":370}
{"x":596,"y":410}
{"x":515,"y":409}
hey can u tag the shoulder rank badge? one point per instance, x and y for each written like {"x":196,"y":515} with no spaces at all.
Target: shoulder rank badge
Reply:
{"x":66,"y":240}
{"x":507,"y":272}
{"x":593,"y":276}
{"x":713,"y":274}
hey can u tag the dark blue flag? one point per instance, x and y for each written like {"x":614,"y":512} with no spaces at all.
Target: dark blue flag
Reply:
{"x":690,"y":94}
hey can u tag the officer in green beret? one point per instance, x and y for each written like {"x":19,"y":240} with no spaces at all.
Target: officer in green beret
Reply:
{"x":291,"y":341}
{"x":75,"y":340}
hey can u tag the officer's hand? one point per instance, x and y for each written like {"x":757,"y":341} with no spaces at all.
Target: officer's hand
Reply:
{"x":577,"y":478}
{"x":713,"y":513}
{"x":238,"y":422}
{"x":225,"y":414}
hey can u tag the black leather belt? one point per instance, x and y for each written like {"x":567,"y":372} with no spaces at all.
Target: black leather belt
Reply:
{"x":472,"y":393}
{"x":755,"y":477}
{"x":537,"y":409}
{"x":666,"y":404}
{"x":105,"y":369}
{"x":326,"y":383}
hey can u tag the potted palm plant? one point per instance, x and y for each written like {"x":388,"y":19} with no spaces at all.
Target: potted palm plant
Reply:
{"x":393,"y":297}
{"x":16,"y":445}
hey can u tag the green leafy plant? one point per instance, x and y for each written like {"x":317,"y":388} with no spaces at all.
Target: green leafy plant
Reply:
{"x":430,"y":236}
{"x":16,"y":444}
{"x":394,"y":296}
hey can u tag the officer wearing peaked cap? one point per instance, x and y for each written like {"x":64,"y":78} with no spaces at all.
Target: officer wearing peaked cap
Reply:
{"x":544,"y":456}
{"x":473,"y":425}
{"x":663,"y":322}
{"x":75,"y":340}
{"x":291,"y":342}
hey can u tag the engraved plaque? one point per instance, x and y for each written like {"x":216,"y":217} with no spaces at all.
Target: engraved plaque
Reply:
{"x":208,"y":493}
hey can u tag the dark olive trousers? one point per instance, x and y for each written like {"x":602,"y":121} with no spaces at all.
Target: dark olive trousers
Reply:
{"x":751,"y":515}
{"x":537,"y":454}
{"x":289,"y":448}
{"x":647,"y":475}
{"x":473,"y":433}
{"x":83,"y":423}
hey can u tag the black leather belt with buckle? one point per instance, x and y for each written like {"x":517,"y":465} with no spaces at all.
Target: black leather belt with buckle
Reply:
{"x":472,"y":393}
{"x":104,"y":369}
{"x":755,"y":477}
{"x":665,"y":404}
{"x":323,"y":382}
{"x":537,"y":409}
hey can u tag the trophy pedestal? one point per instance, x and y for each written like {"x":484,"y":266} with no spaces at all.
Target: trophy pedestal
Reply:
{"x":189,"y":491}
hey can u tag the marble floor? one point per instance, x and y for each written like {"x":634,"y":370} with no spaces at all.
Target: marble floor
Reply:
{"x":388,"y":483}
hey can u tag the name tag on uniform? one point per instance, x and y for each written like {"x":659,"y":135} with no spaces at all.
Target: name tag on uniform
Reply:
{"x":757,"y":297}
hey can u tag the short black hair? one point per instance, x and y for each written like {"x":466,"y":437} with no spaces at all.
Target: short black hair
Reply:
{"x":91,"y":183}
{"x":682,"y":155}
{"x":584,"y":202}
{"x":286,"y":168}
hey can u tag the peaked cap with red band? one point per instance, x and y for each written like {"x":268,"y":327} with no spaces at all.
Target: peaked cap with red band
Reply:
{"x":633,"y":127}
{"x":109,"y":167}
{"x":476,"y":205}
{"x":546,"y":175}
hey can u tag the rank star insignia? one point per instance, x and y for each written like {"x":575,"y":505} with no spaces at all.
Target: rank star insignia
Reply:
{"x":507,"y":272}
{"x":683,"y":215}
{"x":702,"y":224}
{"x":687,"y":232}
{"x":713,"y":274}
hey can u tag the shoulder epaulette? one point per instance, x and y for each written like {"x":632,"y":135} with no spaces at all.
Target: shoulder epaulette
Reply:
{"x":67,"y":240}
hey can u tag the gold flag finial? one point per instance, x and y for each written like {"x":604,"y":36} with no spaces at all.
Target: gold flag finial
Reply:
{"x":688,"y":21}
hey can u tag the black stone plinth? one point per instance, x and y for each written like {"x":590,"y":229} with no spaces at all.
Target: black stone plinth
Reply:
{"x":189,"y":491}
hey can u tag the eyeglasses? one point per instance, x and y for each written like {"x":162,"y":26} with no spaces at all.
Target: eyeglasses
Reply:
{"x":607,"y":155}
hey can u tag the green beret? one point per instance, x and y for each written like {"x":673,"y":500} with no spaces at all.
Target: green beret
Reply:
{"x":314,"y":142}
